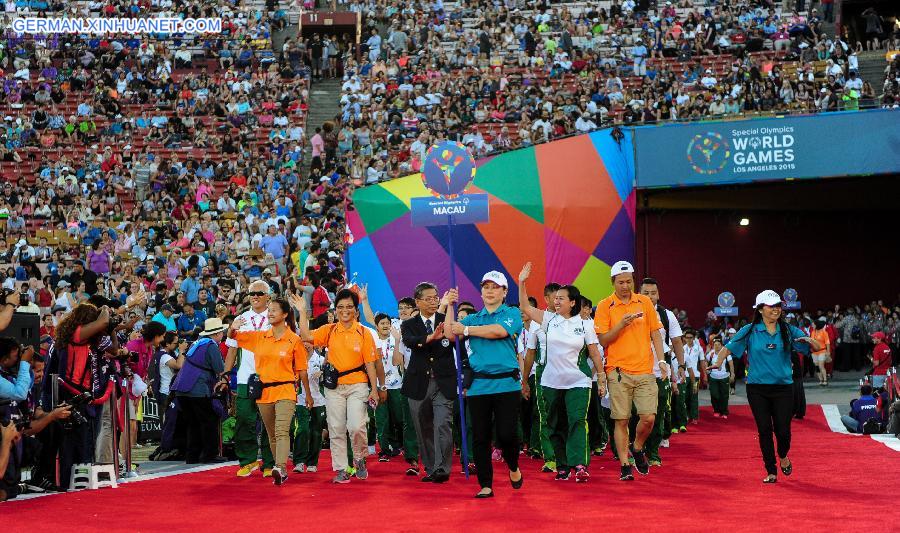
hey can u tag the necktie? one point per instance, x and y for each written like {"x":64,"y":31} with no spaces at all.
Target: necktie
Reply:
{"x":428,"y":329}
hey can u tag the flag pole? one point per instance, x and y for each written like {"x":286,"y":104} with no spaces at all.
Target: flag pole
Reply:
{"x":459,"y":384}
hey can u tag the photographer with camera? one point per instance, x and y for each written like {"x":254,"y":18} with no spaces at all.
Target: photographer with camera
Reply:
{"x":82,"y":336}
{"x":17,"y":407}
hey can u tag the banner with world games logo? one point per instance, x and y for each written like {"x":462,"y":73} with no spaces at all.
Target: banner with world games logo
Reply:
{"x":853,"y":143}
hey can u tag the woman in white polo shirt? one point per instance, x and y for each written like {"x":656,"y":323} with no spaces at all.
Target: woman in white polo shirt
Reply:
{"x":719,"y":379}
{"x":566,"y":380}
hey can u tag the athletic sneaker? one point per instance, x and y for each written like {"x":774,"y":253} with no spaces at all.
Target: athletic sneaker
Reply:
{"x":412,"y":469}
{"x":39,"y":486}
{"x":655,"y":462}
{"x":626,"y":474}
{"x":247,"y":470}
{"x":717,"y":415}
{"x":312,"y":468}
{"x":664,"y":443}
{"x":599,"y":451}
{"x":725,"y":417}
{"x":581,"y":474}
{"x":549,"y":466}
{"x":341,"y":477}
{"x":384,"y":457}
{"x":278,"y":476}
{"x":640,"y":462}
{"x":497,"y":455}
{"x":267,"y":472}
{"x":563,"y":474}
{"x":361,"y":472}
{"x":683,"y":429}
{"x":674,"y":431}
{"x":299,"y":468}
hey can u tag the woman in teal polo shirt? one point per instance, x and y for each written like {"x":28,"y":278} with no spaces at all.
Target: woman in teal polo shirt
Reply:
{"x":769,"y":342}
{"x":494,"y":396}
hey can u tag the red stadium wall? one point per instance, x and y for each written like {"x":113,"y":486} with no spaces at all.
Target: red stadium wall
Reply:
{"x":829,"y":257}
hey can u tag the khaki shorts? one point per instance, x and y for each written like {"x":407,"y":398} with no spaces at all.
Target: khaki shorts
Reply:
{"x":637,"y":389}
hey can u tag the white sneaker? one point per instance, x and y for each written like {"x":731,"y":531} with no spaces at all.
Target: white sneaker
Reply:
{"x":664,"y":443}
{"x":300,"y":468}
{"x":312,"y":468}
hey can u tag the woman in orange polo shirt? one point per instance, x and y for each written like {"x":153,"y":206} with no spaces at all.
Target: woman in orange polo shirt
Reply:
{"x":280,"y":360}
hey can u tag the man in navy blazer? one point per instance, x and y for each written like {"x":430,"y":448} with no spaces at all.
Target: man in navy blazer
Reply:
{"x":429,"y":382}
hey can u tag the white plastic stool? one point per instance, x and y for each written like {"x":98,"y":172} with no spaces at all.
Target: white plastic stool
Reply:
{"x":89,"y":476}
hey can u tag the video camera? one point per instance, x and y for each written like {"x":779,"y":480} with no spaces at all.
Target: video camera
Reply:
{"x":15,"y":412}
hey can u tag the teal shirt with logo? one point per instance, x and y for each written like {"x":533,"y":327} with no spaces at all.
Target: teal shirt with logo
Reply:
{"x":769,"y":362}
{"x":494,"y":356}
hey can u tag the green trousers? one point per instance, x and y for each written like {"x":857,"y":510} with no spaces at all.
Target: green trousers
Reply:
{"x":457,"y":434}
{"x":410,"y":442}
{"x":679,"y":408}
{"x":249,"y":432}
{"x":308,"y":425}
{"x":567,"y":410}
{"x":542,"y":427}
{"x":692,"y":401}
{"x":658,"y":433}
{"x":597,"y":430}
{"x":719,"y":389}
{"x":606,"y":416}
{"x":394,"y":426}
{"x":372,"y":431}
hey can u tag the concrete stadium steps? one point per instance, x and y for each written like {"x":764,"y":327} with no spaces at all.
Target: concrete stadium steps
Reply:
{"x":871,"y":69}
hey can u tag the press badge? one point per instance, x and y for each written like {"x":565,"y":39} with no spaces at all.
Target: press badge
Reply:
{"x":770,"y":346}
{"x":445,"y":343}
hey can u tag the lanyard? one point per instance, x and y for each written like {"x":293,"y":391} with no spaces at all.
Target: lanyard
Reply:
{"x":257,"y":326}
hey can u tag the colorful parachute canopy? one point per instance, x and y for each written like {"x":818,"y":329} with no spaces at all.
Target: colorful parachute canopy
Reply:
{"x":567,"y":206}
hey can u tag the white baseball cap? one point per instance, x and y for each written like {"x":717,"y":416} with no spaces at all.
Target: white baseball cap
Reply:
{"x":496,"y":277}
{"x":767,"y":297}
{"x":621,"y":267}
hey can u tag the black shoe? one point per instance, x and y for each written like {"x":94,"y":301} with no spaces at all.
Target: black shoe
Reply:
{"x":215,"y":460}
{"x":640,"y":462}
{"x":788,"y":469}
{"x":518,"y":484}
{"x":412,"y":469}
{"x":626,"y":474}
{"x":384,"y":458}
{"x":440,"y":477}
{"x":485,"y":495}
{"x":429,"y":478}
{"x":563,"y":474}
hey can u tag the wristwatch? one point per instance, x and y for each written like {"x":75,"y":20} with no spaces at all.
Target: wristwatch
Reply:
{"x":660,"y":362}
{"x":382,"y":388}
{"x":466,"y":331}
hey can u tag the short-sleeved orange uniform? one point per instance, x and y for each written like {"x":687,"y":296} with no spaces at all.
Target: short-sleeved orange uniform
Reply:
{"x":630,"y":352}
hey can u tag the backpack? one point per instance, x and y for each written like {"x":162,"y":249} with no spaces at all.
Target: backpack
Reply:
{"x":872,"y":426}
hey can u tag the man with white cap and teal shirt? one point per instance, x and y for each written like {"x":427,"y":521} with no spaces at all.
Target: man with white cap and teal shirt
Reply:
{"x":493,"y":381}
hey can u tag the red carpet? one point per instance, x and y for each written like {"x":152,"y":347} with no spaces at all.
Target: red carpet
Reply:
{"x":711,"y":478}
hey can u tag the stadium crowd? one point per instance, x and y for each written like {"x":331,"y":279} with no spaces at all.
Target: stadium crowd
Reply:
{"x":155,"y":189}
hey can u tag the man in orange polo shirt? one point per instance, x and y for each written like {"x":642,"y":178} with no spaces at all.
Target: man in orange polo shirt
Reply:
{"x":626,"y":323}
{"x":351,"y":350}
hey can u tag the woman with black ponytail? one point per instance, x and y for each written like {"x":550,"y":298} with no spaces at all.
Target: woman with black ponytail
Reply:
{"x":770,"y":343}
{"x":281,"y":361}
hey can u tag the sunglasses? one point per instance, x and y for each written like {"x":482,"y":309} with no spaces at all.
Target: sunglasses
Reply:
{"x":256,"y":293}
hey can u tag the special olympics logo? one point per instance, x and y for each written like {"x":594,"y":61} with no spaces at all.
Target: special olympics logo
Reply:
{"x":708,"y":153}
{"x":448,"y":169}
